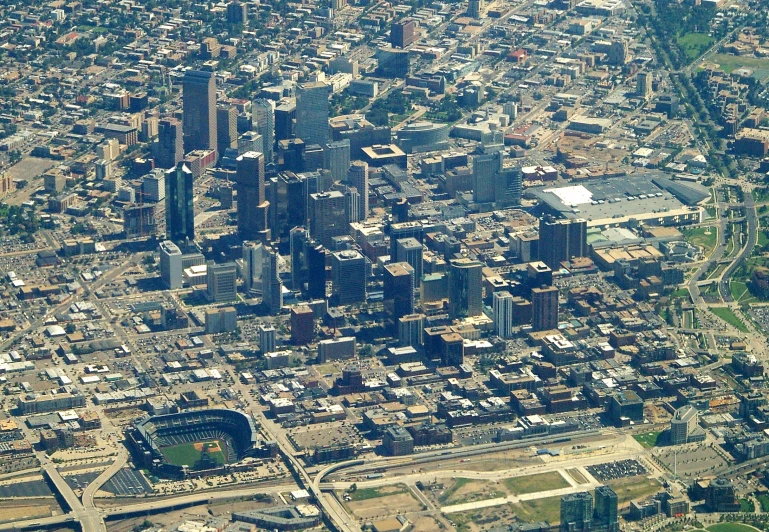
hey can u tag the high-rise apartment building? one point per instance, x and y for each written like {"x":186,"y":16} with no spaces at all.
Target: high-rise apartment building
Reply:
{"x":199,"y":110}
{"x":544,"y":308}
{"x":605,"y":514}
{"x":643,"y":86}
{"x":312,"y":112}
{"x":465,"y":288}
{"x":180,"y":210}
{"x":169,"y":149}
{"x":348,"y":277}
{"x":171,"y":265}
{"x":252,"y":203}
{"x":411,"y":330}
{"x":504,"y":308}
{"x":403,"y":33}
{"x":565,"y":240}
{"x":358,"y":177}
{"x":267,"y":338}
{"x":576,"y":512}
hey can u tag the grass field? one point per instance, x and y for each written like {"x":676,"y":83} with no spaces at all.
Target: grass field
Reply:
{"x":764,"y":501}
{"x":704,"y":237}
{"x":731,"y":527}
{"x":694,"y":44}
{"x":729,"y":317}
{"x":373,"y":493}
{"x":629,"y":488}
{"x":648,"y":439}
{"x":548,"y":509}
{"x":761,"y":195}
{"x":730,"y":63}
{"x":746,"y":506}
{"x":189,"y":453}
{"x":535,"y":483}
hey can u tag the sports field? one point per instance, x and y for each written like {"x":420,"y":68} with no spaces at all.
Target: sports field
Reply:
{"x":189,"y":453}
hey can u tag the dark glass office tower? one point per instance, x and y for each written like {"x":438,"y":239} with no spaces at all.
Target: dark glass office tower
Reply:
{"x":199,"y":110}
{"x":180,"y":211}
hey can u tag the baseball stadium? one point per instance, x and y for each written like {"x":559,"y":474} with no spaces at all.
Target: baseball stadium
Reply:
{"x":194,"y":443}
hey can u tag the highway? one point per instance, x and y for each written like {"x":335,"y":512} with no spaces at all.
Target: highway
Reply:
{"x":751,"y":219}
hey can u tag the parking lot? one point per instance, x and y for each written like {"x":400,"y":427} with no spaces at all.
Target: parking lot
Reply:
{"x":34,"y":488}
{"x":692,"y":460}
{"x":613,"y":470}
{"x":127,"y":482}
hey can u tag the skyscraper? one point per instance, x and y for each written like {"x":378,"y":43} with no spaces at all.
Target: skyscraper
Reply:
{"x":252,"y":204}
{"x":316,"y":267}
{"x":404,"y":230}
{"x":336,"y":158}
{"x":503,"y":313}
{"x":226,"y":128}
{"x":399,"y":288}
{"x":299,"y":240}
{"x":312,"y":111}
{"x":328,"y":216}
{"x":465,"y":288}
{"x":180,"y":210}
{"x":476,"y":8}
{"x":643,"y":86}
{"x":352,"y":207}
{"x":170,"y":145}
{"x":485,"y":168}
{"x":565,"y":239}
{"x":576,"y":512}
{"x":263,"y":112}
{"x":253,"y":261}
{"x":348,"y":277}
{"x":199,"y":110}
{"x":358,"y":176}
{"x":267,"y":338}
{"x":544,"y":308}
{"x":272,"y":287}
{"x":410,"y":250}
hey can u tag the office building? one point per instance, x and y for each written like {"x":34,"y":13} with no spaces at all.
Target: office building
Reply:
{"x":328,"y":216}
{"x":221,"y":282}
{"x":272,"y":286}
{"x":302,"y":325}
{"x":336,"y":158}
{"x":199,"y":110}
{"x":404,"y":230}
{"x":252,"y":203}
{"x":226,"y":128}
{"x":253,"y":261}
{"x":267,"y":338}
{"x":684,"y":427}
{"x":221,"y":320}
{"x":352,"y":205}
{"x":171,"y":265}
{"x":316,"y":270}
{"x":625,"y":407}
{"x":285,"y":114}
{"x":299,"y":240}
{"x":544,"y":308}
{"x":393,"y":63}
{"x":465,"y":288}
{"x":180,"y":209}
{"x":251,"y":141}
{"x":263,"y":114}
{"x":566,"y":239}
{"x":169,"y":149}
{"x":41,"y":403}
{"x":237,"y":13}
{"x":399,"y":289}
{"x":312,"y":111}
{"x":576,"y":512}
{"x":411,"y":330}
{"x":721,"y":496}
{"x":403,"y":33}
{"x":348,"y":277}
{"x":606,"y":515}
{"x":452,"y":349}
{"x":410,"y":250}
{"x":397,"y":441}
{"x":358,"y":177}
{"x":504,"y":311}
{"x":643,"y":88}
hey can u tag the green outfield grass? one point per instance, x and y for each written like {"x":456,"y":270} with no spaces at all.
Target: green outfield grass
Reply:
{"x":187,"y":454}
{"x":648,"y":439}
